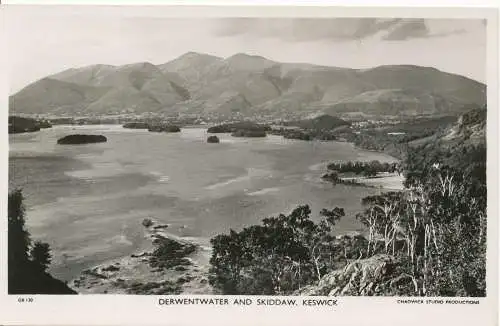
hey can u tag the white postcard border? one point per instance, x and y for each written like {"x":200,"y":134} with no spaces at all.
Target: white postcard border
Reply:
{"x":145,"y":310}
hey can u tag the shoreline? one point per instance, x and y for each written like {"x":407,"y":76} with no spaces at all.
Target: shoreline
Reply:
{"x":385,"y":180}
{"x":135,"y":274}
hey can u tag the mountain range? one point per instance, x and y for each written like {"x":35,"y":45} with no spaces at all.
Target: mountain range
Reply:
{"x":249,"y":85}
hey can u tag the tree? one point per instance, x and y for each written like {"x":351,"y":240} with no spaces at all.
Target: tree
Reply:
{"x":40,"y":255}
{"x":27,"y":264}
{"x":441,"y":220}
{"x":18,"y":237}
{"x":283,"y":254}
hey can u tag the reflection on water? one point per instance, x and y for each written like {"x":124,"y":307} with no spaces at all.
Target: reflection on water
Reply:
{"x":88,"y":201}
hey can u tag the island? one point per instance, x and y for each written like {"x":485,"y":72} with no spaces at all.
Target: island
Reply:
{"x":238,"y":126}
{"x":81,"y":139}
{"x":249,"y":133}
{"x":213,"y":139}
{"x":136,"y":125}
{"x":22,"y":124}
{"x":164,"y":128}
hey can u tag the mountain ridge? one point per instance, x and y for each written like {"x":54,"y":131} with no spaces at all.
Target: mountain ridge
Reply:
{"x":252,"y":84}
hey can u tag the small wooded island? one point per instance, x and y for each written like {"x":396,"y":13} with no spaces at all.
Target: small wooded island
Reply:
{"x":136,"y":125}
{"x":153,"y":127}
{"x":213,"y":139}
{"x":241,"y":129}
{"x":81,"y":139}
{"x":164,"y":128}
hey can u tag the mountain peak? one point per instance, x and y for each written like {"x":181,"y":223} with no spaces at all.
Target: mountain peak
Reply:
{"x":139,"y":65}
{"x":246,"y":55}
{"x":198,"y":54}
{"x":191,"y":55}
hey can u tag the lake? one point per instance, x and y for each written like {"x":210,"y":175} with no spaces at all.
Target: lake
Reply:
{"x":88,"y":201}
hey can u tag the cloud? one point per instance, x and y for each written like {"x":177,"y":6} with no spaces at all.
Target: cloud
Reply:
{"x":408,"y":29}
{"x":333,"y":29}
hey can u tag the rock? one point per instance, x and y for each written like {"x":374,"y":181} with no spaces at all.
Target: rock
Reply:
{"x":81,"y":139}
{"x":184,"y":279}
{"x":180,"y":268}
{"x":142,"y":254}
{"x":170,"y":253}
{"x":111,"y":268}
{"x":213,"y":139}
{"x":147,"y":222}
{"x":94,"y":272}
{"x":161,"y":226}
{"x":376,"y":275}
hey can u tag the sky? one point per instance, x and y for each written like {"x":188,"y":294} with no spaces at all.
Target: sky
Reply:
{"x":40,"y":45}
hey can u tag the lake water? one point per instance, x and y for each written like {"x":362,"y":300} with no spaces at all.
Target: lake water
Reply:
{"x":88,"y":201}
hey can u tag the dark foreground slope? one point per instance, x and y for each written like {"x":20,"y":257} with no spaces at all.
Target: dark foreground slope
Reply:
{"x":30,"y":280}
{"x":27,"y":260}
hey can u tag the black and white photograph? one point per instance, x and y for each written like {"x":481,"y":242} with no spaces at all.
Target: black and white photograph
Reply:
{"x":254,"y":156}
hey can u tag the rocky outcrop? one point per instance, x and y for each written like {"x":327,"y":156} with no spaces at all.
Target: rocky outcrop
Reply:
{"x":81,"y":139}
{"x":470,"y":128}
{"x":376,"y":275}
{"x":171,"y":265}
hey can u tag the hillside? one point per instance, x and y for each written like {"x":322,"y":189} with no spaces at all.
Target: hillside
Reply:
{"x":322,"y":122}
{"x":399,"y":101}
{"x":250,"y":85}
{"x":468,"y":130}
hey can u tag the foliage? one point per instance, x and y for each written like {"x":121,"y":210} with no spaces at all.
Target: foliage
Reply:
{"x":323,"y":122}
{"x":248,"y":133}
{"x":437,"y":226}
{"x":21,"y":124}
{"x":238,"y":126}
{"x":434,"y":232}
{"x":308,"y":134}
{"x":136,"y":125}
{"x":163,"y":128}
{"x":278,"y":257}
{"x":26,"y":263}
{"x":367,"y":168}
{"x":213,"y":139}
{"x":40,"y":255}
{"x":81,"y":139}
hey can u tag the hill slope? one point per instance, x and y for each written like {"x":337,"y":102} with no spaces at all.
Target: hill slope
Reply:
{"x":249,"y":84}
